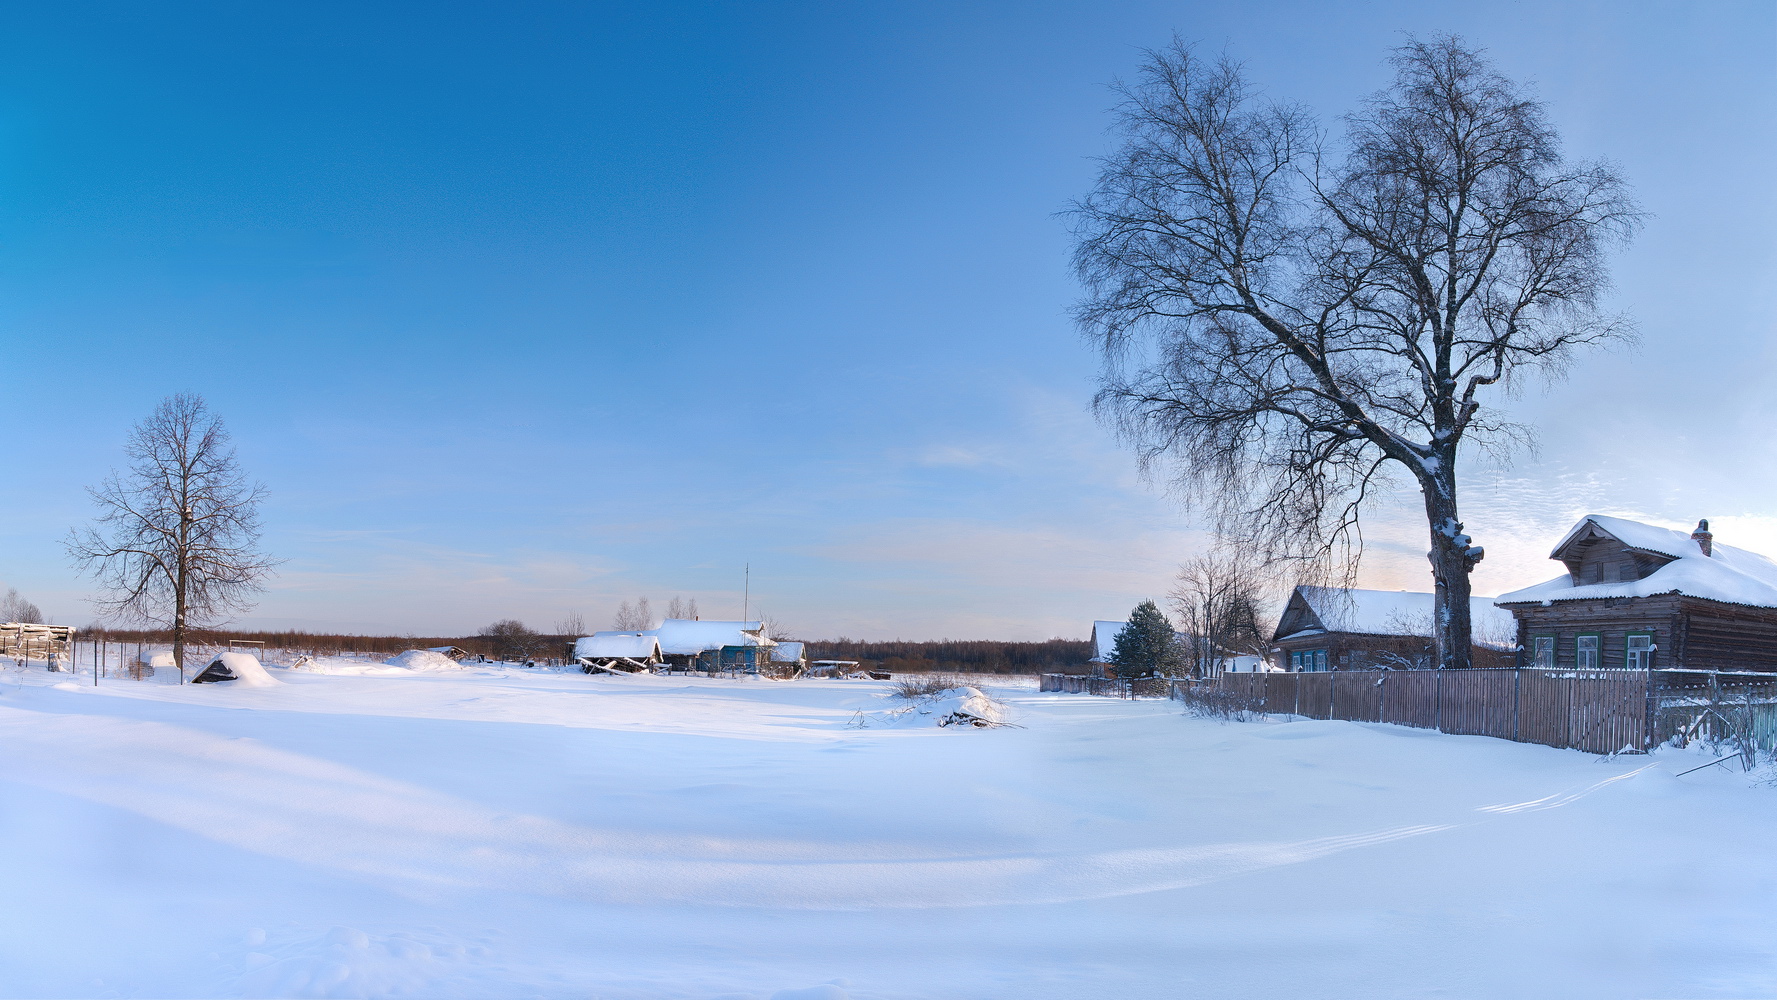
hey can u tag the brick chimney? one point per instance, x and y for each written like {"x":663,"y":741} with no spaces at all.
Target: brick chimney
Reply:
{"x":1703,"y":538}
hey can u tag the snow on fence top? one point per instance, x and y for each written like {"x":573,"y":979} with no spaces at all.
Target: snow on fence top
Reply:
{"x":1386,"y":612}
{"x":1725,"y":573}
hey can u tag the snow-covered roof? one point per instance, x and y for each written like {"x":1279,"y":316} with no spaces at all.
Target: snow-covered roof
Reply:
{"x":606,"y":645}
{"x":1727,"y":574}
{"x":690,"y":636}
{"x":1104,"y":639}
{"x":787,"y":652}
{"x":1387,"y":612}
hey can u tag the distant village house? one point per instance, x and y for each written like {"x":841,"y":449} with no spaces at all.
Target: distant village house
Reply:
{"x":1341,"y":628}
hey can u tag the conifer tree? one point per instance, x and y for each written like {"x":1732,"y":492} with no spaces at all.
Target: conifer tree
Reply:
{"x":1147,"y":645}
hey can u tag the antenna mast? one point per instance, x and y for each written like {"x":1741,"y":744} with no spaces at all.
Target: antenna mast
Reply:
{"x":746,"y":601}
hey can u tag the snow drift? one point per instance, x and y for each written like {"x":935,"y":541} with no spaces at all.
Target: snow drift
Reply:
{"x":242,"y":667}
{"x":423,"y":659}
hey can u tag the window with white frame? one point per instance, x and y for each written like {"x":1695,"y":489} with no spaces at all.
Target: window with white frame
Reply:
{"x":1542,"y":652}
{"x":1309,"y":660}
{"x":1586,"y":650}
{"x":1639,"y":654}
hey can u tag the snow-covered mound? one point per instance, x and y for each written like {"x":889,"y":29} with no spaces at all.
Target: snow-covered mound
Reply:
{"x":957,"y":706}
{"x":423,"y":659}
{"x":964,"y":706}
{"x":242,"y":668}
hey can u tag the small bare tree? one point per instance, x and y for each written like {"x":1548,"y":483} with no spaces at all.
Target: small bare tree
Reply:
{"x":14,"y":608}
{"x":511,"y":639}
{"x":1219,"y":600}
{"x":574,"y":624}
{"x":176,"y":540}
{"x":635,"y":617}
{"x":775,"y":629}
{"x":1284,"y":331}
{"x":680,"y":609}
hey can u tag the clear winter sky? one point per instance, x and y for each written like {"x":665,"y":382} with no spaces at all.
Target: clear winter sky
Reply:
{"x":525,"y":308}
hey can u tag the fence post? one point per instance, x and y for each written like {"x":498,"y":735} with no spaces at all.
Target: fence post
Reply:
{"x":1437,"y":702}
{"x":1517,"y":699}
{"x":1651,"y":714}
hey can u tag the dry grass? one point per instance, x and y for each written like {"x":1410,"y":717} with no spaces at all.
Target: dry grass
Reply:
{"x":925,"y":685}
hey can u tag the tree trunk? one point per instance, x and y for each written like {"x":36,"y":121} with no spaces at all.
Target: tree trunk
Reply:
{"x":179,"y":621}
{"x":1453,"y":558}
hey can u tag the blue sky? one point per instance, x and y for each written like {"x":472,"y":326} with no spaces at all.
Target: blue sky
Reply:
{"x":523,"y":309}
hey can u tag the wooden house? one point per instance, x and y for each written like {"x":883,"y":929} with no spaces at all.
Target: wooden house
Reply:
{"x":1637,"y":595}
{"x":1340,"y":628}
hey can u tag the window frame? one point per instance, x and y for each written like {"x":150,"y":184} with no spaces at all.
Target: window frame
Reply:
{"x":1651,"y":647}
{"x":1597,"y":651}
{"x":1308,"y":661}
{"x":1554,"y":651}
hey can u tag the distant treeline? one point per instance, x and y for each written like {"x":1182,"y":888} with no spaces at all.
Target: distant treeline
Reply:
{"x":310,"y":642}
{"x":965,"y":656}
{"x":976,"y":656}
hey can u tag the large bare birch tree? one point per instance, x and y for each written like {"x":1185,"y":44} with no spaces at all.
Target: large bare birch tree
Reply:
{"x":1286,"y":324}
{"x":176,"y":540}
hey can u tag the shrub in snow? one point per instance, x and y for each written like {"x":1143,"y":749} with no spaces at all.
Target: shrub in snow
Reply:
{"x":915,"y":686}
{"x":945,"y":699}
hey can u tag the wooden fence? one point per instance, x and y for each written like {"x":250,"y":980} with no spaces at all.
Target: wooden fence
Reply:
{"x":1108,"y":687}
{"x":1601,"y":711}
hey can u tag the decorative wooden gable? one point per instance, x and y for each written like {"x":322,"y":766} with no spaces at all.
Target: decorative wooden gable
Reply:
{"x":1297,"y":617}
{"x":1594,"y":555}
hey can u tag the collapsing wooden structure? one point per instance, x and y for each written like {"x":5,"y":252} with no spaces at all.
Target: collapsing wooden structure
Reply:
{"x":28,"y":641}
{"x":682,"y":644}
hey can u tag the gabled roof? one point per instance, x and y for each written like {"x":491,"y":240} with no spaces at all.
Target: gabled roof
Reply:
{"x":1314,"y":610}
{"x":787,"y":652}
{"x":1728,"y":574}
{"x":1104,"y":639}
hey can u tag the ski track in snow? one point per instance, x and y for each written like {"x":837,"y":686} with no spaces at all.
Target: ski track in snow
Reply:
{"x":329,"y":815}
{"x":481,"y":833}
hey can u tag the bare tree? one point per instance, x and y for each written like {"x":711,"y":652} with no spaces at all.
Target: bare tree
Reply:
{"x":774,"y":629}
{"x":574,"y":624}
{"x":511,"y":639}
{"x":677,"y":608}
{"x":1284,"y":333}
{"x":635,"y":617}
{"x":14,"y":608}
{"x":176,"y":539}
{"x":1218,"y":599}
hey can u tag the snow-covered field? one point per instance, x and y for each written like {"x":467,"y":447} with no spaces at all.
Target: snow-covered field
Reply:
{"x":492,"y":832}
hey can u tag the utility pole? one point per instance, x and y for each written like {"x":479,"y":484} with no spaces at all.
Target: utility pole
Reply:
{"x":746,"y":601}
